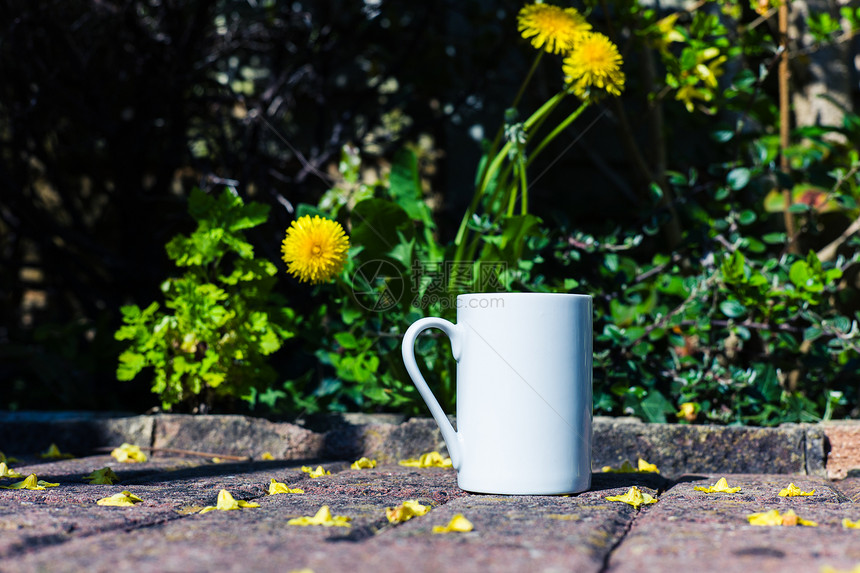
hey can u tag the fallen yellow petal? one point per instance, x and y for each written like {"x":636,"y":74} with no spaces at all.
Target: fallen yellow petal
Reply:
{"x":31,"y":482}
{"x":3,"y":458}
{"x":722,"y":486}
{"x":634,"y":497}
{"x":793,"y":491}
{"x":53,"y":452}
{"x":626,"y":468}
{"x":267,"y":456}
{"x":848,"y":524}
{"x":128,"y":453}
{"x":831,"y":569}
{"x":645,"y":467}
{"x":226,"y":502}
{"x":428,"y":460}
{"x":7,"y":472}
{"x":315,"y":473}
{"x":772,"y":517}
{"x":458,"y":524}
{"x":363,"y":463}
{"x":323,"y":517}
{"x":276,"y":487}
{"x":104,"y":476}
{"x":124,"y":499}
{"x":406,"y":511}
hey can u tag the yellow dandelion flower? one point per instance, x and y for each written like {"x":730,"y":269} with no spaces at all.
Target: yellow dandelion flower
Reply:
{"x":594,"y":62}
{"x":315,"y":249}
{"x":551,"y":28}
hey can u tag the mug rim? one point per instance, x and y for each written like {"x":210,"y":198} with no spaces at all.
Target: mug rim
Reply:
{"x":523,"y":294}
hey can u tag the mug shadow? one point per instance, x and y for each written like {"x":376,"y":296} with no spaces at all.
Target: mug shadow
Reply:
{"x":604,"y":481}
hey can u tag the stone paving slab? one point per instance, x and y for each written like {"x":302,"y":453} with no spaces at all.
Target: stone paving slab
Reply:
{"x":61,"y":529}
{"x":712,"y":530}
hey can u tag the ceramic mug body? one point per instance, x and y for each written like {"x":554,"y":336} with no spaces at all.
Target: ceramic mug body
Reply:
{"x":524,"y":384}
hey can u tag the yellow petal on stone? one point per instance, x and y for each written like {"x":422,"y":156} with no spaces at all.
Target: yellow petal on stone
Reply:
{"x":128,"y":453}
{"x":793,"y":491}
{"x":123,"y":499}
{"x":104,"y":476}
{"x":722,"y":486}
{"x":276,"y":487}
{"x":428,"y":460}
{"x":7,"y":472}
{"x":848,"y":524}
{"x":323,"y":517}
{"x":831,"y":569}
{"x":226,"y":502}
{"x":363,"y":463}
{"x":31,"y":482}
{"x":634,"y":497}
{"x":645,"y":467}
{"x":626,"y":468}
{"x":3,"y":458}
{"x":267,"y":456}
{"x":773,"y":517}
{"x":458,"y":524}
{"x":54,"y":453}
{"x":315,"y":473}
{"x":406,"y":511}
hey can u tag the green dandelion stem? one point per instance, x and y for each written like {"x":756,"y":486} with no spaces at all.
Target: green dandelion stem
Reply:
{"x":524,"y":185}
{"x":554,"y":133}
{"x":527,"y":80}
{"x":493,"y":168}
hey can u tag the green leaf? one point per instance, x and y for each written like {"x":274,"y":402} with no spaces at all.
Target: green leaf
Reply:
{"x":655,"y":407}
{"x":249,"y":216}
{"x":799,"y":274}
{"x":346,"y":340}
{"x":130,"y":363}
{"x":723,"y":135}
{"x":303,"y":209}
{"x":378,"y":224}
{"x":774,"y":238}
{"x":732,"y":308}
{"x":746,"y":217}
{"x":738,"y":178}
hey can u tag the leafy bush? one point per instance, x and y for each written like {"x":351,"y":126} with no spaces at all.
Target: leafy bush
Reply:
{"x":222,"y":320}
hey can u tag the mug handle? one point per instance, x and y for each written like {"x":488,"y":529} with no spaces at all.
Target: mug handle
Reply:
{"x":451,"y":437}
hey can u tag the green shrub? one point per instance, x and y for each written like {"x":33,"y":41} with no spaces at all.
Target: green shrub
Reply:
{"x":221,"y":319}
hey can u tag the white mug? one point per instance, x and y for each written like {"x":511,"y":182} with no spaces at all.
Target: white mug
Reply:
{"x":524,"y":400}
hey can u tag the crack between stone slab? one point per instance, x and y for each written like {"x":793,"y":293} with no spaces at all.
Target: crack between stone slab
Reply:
{"x":804,"y":451}
{"x":606,"y":558}
{"x":152,"y":432}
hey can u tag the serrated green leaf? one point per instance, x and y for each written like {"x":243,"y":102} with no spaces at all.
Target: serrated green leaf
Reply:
{"x":130,"y":363}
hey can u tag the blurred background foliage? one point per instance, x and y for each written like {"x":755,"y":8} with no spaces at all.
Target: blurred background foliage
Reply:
{"x":665,"y":204}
